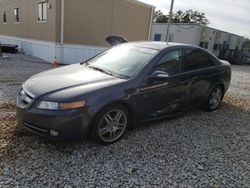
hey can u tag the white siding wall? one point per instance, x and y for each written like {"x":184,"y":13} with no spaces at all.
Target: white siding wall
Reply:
{"x":66,"y":54}
{"x":181,"y":33}
{"x":194,"y":33}
{"x":236,"y":41}
{"x":70,"y":54}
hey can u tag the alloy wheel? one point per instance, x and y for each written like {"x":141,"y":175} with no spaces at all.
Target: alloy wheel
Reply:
{"x":112,"y":125}
{"x":215,"y":98}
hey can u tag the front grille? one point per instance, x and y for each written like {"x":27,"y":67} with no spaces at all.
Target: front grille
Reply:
{"x":25,"y":97}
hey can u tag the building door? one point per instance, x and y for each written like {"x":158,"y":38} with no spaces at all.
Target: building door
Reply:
{"x":157,"y":37}
{"x":224,"y":44}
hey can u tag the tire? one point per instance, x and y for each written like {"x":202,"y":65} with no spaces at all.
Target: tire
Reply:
{"x":110,"y":124}
{"x":214,"y":99}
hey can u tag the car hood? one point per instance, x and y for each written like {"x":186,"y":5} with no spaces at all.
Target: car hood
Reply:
{"x":67,"y":77}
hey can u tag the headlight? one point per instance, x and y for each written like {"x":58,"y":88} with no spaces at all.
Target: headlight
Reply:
{"x":60,"y":106}
{"x":48,"y":105}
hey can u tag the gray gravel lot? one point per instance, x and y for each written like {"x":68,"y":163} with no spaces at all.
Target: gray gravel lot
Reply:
{"x":197,"y":149}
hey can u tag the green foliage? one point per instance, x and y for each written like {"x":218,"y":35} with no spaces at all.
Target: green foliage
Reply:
{"x":159,"y":17}
{"x":189,"y":16}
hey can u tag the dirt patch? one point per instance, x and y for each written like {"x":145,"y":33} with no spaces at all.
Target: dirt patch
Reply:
{"x":237,"y":102}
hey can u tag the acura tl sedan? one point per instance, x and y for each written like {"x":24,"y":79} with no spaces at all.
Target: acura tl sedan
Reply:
{"x":129,"y":83}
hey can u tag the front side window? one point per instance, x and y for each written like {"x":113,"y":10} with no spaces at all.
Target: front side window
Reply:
{"x":171,"y":63}
{"x":125,"y":61}
{"x":4,"y":17}
{"x":16,"y":15}
{"x":196,"y":59}
{"x":42,"y":11}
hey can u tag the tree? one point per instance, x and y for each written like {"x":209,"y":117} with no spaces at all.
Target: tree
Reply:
{"x":189,"y":16}
{"x":159,"y":17}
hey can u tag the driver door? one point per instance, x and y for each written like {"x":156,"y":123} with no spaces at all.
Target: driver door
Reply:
{"x":161,"y":98}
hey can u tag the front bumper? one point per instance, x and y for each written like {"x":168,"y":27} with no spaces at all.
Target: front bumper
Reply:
{"x":69,"y":124}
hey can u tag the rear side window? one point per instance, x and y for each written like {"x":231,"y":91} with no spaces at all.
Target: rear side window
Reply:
{"x":196,"y":59}
{"x":171,"y":62}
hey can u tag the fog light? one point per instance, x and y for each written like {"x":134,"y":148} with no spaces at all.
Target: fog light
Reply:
{"x":54,"y":133}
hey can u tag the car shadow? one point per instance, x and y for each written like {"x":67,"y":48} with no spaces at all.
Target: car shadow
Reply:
{"x":230,"y":105}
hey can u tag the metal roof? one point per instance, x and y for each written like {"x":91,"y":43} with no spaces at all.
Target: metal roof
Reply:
{"x":200,"y":25}
{"x":155,"y":45}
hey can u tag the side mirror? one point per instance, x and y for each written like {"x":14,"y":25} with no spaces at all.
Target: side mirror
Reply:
{"x":158,"y":76}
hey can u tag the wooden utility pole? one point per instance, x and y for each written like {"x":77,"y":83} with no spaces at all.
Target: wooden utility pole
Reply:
{"x":169,"y":19}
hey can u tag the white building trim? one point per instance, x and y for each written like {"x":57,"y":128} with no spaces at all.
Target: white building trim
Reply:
{"x":66,"y":53}
{"x":62,"y":22}
{"x":151,"y":23}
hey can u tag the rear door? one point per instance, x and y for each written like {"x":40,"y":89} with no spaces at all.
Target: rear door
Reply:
{"x":200,"y":66}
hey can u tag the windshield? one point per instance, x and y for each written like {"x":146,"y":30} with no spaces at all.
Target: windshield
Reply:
{"x":123,"y":61}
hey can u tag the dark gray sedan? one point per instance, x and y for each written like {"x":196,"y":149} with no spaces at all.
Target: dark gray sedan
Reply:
{"x":132,"y":82}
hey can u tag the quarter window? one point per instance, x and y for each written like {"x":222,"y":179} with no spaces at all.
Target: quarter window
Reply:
{"x":4,"y":17}
{"x":42,"y":11}
{"x":171,"y":62}
{"x":16,"y":14}
{"x":196,"y":59}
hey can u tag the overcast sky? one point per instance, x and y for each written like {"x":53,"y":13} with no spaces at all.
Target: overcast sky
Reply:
{"x":228,"y":15}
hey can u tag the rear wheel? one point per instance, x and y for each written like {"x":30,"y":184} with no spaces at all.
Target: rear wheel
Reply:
{"x":215,"y":98}
{"x":110,"y":124}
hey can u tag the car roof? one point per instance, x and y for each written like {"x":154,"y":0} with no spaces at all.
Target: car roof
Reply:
{"x":157,"y":45}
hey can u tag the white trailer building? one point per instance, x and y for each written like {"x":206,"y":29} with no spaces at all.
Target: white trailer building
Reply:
{"x":209,"y":38}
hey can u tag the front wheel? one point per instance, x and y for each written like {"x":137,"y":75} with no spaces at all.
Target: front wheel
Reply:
{"x":214,"y":99}
{"x":110,"y":124}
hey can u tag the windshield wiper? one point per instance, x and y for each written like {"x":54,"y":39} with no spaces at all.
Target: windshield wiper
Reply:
{"x":101,"y":70}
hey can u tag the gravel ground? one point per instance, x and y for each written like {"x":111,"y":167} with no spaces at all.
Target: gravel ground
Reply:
{"x":197,"y":149}
{"x":15,"y":69}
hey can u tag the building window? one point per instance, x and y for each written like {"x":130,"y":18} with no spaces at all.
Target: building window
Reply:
{"x":204,"y":44}
{"x":16,"y":14}
{"x":217,"y":46}
{"x":42,"y":11}
{"x":4,"y":17}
